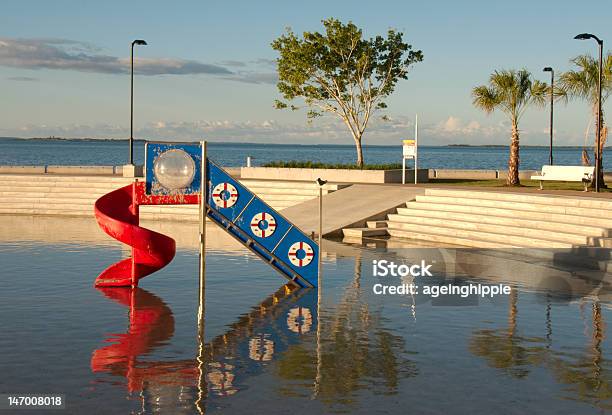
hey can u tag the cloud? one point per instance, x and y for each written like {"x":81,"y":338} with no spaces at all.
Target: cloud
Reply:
{"x":65,"y":54}
{"x":255,"y":77}
{"x":454,"y":127}
{"x":233,"y":63}
{"x":22,"y":78}
{"x":327,"y":130}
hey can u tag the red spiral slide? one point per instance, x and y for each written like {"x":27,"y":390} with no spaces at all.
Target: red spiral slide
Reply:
{"x":117,"y":215}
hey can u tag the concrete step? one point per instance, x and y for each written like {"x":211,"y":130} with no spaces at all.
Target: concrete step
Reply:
{"x":601,"y":242}
{"x":507,"y":229}
{"x":286,"y":184}
{"x":560,"y":200}
{"x":52,"y":176}
{"x":445,"y":239}
{"x":374,"y":224}
{"x":499,"y":238}
{"x":45,"y":212}
{"x":286,"y":191}
{"x":407,"y":215}
{"x":298,"y":198}
{"x":522,"y":206}
{"x":171,"y":218}
{"x":363,"y":232}
{"x":492,"y":211}
{"x":47,"y":201}
{"x":65,"y":194}
{"x":61,"y":206}
{"x":28,"y":186}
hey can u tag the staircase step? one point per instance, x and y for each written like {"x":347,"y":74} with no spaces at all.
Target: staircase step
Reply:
{"x":375,"y":224}
{"x":495,"y":237}
{"x":493,"y":211}
{"x":508,"y":227}
{"x":363,"y":232}
{"x":521,"y":206}
{"x":601,"y":242}
{"x":557,"y":200}
{"x":445,"y":239}
{"x":499,"y":220}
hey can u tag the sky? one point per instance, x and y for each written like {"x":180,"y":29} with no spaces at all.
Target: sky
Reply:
{"x":208,"y":71}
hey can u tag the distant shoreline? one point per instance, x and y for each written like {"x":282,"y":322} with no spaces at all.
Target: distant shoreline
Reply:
{"x":290,"y":145}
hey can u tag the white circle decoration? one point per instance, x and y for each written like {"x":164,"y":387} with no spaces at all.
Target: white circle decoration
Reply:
{"x":225,"y":195}
{"x":299,"y":320}
{"x":263,"y":225}
{"x":300,"y":254}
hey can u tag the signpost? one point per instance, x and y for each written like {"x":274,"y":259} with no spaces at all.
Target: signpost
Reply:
{"x":410,"y":152}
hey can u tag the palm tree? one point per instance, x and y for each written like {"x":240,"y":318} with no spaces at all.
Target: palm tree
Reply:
{"x":582,"y":83}
{"x":510,"y":91}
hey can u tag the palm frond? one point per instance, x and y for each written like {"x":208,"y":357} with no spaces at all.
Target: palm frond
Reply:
{"x":485,"y":98}
{"x":539,"y":92}
{"x":581,"y":82}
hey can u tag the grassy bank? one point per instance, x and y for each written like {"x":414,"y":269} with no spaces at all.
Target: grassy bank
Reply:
{"x":502,"y":183}
{"x":294,"y":164}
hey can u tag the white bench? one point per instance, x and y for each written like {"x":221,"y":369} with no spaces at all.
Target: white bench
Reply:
{"x":582,"y":174}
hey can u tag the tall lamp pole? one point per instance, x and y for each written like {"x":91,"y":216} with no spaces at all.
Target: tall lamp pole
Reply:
{"x":135,"y":42}
{"x":552,"y":88}
{"x":586,"y":36}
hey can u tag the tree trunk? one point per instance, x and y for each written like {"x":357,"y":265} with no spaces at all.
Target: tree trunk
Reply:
{"x":359,"y":152}
{"x":514,"y":159}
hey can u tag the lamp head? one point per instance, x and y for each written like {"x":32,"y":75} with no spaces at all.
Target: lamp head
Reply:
{"x":139,"y":42}
{"x":548,"y":69}
{"x":583,"y":36}
{"x":587,"y":36}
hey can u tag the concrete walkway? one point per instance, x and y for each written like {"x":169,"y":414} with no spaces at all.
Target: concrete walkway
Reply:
{"x":350,"y":207}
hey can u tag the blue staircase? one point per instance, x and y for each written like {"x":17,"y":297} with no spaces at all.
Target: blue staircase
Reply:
{"x":242,"y":214}
{"x":260,"y":228}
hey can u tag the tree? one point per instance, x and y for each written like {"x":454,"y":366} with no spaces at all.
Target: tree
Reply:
{"x":512,"y":92}
{"x":339,"y":72}
{"x":582,"y":83}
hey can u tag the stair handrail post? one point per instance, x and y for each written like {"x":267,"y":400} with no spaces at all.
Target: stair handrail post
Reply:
{"x":202,"y":241}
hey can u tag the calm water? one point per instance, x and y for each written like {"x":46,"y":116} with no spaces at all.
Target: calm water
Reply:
{"x":524,"y":353}
{"x":65,"y":152}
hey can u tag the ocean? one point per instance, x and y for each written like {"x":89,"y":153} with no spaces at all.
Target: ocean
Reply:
{"x":115,"y":152}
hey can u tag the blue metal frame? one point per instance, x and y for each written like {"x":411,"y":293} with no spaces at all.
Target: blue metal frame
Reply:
{"x":153,"y":150}
{"x":236,"y":219}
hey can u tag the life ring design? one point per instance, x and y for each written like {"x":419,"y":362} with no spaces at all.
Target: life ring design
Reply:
{"x":263,"y":225}
{"x":261,"y":348}
{"x":299,"y":320}
{"x":225,"y":195}
{"x":300,"y":254}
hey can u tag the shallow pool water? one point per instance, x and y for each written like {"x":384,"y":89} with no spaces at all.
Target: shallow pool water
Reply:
{"x":270,"y":349}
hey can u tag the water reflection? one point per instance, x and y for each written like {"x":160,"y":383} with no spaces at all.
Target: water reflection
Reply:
{"x":347,"y":350}
{"x":254,"y":340}
{"x":585,"y":374}
{"x":355,"y":353}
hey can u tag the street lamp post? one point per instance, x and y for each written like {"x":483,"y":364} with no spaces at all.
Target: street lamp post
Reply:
{"x":552,"y":87}
{"x":135,"y":42}
{"x":586,"y":36}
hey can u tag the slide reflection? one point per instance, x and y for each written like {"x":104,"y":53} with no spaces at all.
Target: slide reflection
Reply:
{"x":252,"y":341}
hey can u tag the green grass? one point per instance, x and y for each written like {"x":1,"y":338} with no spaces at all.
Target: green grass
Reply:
{"x":295,"y":164}
{"x":502,"y":183}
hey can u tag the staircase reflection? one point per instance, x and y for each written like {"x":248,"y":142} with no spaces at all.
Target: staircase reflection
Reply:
{"x":585,"y":374}
{"x":255,"y":339}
